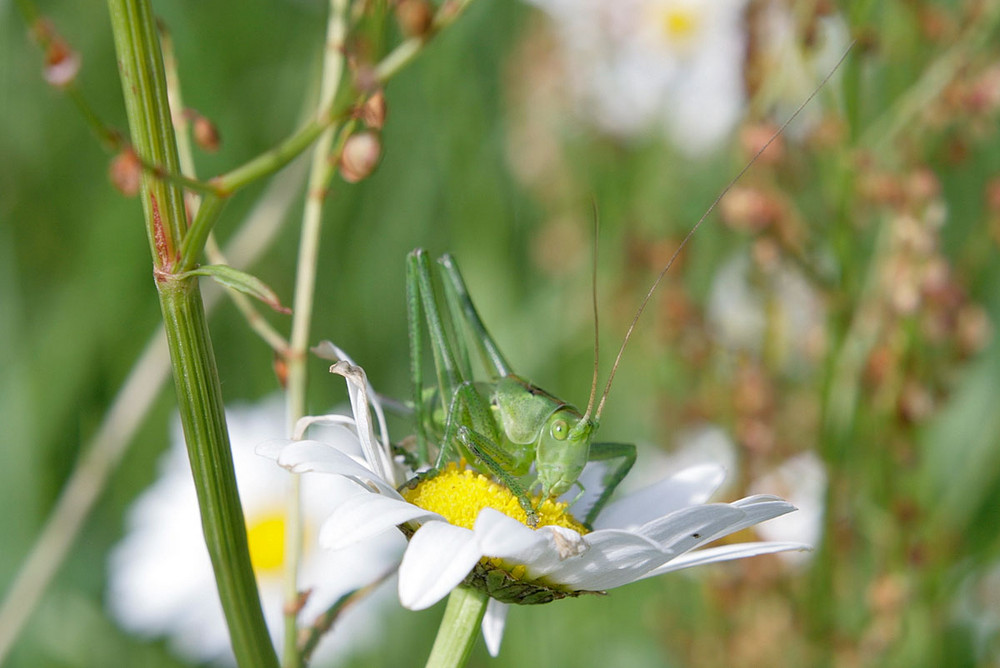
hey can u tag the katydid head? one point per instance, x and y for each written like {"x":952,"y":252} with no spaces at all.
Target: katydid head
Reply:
{"x":562,"y":450}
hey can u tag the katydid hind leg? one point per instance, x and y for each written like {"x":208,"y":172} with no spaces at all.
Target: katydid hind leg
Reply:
{"x":445,"y":363}
{"x":621,"y":458}
{"x":459,"y":293}
{"x":414,"y":316}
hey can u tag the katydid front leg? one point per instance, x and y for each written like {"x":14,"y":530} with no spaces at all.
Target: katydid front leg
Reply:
{"x":499,"y":463}
{"x":625,"y":454}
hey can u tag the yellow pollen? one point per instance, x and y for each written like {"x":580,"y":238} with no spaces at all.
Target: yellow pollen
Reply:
{"x":679,"y":23}
{"x":458,"y":494}
{"x":266,"y":538}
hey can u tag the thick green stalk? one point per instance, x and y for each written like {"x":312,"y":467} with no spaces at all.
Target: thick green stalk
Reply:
{"x":459,"y":628}
{"x":195,"y":376}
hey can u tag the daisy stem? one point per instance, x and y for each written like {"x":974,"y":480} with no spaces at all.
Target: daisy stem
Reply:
{"x":459,"y":628}
{"x":195,"y":375}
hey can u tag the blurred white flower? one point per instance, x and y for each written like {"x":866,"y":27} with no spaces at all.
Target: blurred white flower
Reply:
{"x":160,"y":576}
{"x":467,"y":529}
{"x":975,"y":606}
{"x":795,"y":65}
{"x":776,"y":311}
{"x":669,"y":65}
{"x":802,"y":480}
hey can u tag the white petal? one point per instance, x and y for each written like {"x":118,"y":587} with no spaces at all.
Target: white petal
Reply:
{"x":683,"y":530}
{"x":438,"y":558}
{"x":306,"y":456}
{"x":502,"y":536}
{"x":761,"y":508}
{"x":365,"y":515}
{"x":688,"y":487}
{"x":493,"y":624}
{"x":614,"y":558}
{"x":725,"y":553}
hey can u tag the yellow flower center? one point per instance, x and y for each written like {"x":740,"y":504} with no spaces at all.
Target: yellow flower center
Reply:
{"x":458,"y":494}
{"x":679,"y":23}
{"x":266,"y":537}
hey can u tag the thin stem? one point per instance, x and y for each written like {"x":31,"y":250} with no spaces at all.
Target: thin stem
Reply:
{"x":194,"y":242}
{"x":215,"y":255}
{"x":196,"y":378}
{"x":459,"y":628}
{"x":320,"y":174}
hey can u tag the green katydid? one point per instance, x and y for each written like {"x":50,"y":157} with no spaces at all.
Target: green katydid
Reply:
{"x":506,"y":425}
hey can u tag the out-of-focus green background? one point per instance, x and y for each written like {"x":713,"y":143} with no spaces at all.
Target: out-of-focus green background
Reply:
{"x":900,"y":405}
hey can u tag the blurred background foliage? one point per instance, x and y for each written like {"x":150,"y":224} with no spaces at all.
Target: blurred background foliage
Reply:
{"x":888,"y":203}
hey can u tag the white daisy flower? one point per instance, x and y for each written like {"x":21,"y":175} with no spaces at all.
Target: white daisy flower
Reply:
{"x":466,"y":529}
{"x":636,"y":65}
{"x":160,"y":575}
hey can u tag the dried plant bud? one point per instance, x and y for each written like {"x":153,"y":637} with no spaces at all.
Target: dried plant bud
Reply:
{"x":983,"y":94}
{"x":882,"y":188}
{"x":747,"y":208}
{"x":281,"y":370}
{"x":373,"y":111}
{"x":360,"y":156}
{"x":879,"y":365}
{"x":974,"y":329}
{"x":125,"y":172}
{"x":205,"y":134}
{"x":915,"y":402}
{"x":923,"y":185}
{"x":61,"y":63}
{"x":416,"y":17}
{"x":755,"y":137}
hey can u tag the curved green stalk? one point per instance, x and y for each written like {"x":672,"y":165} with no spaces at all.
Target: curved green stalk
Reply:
{"x":195,"y":375}
{"x":459,"y":628}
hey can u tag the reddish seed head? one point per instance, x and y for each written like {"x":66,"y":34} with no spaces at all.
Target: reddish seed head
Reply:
{"x":416,"y":17}
{"x":61,"y":63}
{"x":373,"y":111}
{"x":205,"y":134}
{"x":125,"y":172}
{"x":360,"y":156}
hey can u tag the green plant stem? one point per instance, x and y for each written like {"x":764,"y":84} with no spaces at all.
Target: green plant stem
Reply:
{"x":194,"y":242}
{"x":459,"y":628}
{"x":320,"y":173}
{"x":104,"y":451}
{"x":195,"y":376}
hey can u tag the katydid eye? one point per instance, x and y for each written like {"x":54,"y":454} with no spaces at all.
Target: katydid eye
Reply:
{"x":560,"y":430}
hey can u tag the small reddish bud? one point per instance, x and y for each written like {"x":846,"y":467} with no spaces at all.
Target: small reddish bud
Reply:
{"x":923,"y":185}
{"x":915,"y":402}
{"x":755,"y":137}
{"x":125,"y":172}
{"x":416,"y":17}
{"x":747,"y":208}
{"x":974,"y":329}
{"x":61,"y":63}
{"x":360,"y":156}
{"x":205,"y":134}
{"x":993,"y":195}
{"x":281,"y":370}
{"x":373,"y":111}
